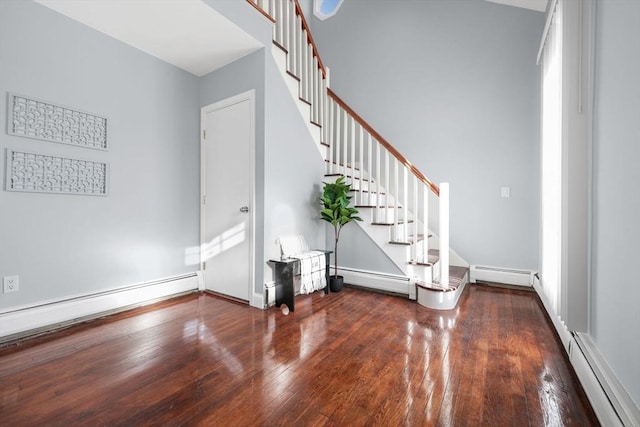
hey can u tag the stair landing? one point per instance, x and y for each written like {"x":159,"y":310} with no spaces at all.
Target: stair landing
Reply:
{"x":439,"y":297}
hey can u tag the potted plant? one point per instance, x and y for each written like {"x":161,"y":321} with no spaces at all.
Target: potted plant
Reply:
{"x":336,"y":211}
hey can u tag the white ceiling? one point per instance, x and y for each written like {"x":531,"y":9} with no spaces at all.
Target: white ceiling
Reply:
{"x":186,"y":33}
{"x":539,"y":5}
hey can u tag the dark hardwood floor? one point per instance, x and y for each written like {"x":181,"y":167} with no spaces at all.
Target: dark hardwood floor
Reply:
{"x":349,"y":359}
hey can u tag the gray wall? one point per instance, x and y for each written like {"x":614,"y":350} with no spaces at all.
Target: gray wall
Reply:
{"x":241,"y":76}
{"x":64,"y":246}
{"x":294,"y":170}
{"x":615,"y":294}
{"x":357,"y":250}
{"x":67,"y":245}
{"x":454,"y":86}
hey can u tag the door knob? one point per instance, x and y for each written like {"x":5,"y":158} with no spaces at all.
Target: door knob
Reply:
{"x":244,"y":209}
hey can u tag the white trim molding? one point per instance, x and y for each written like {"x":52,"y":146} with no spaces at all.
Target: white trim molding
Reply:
{"x":509,"y":276}
{"x":52,"y":314}
{"x":258,"y":301}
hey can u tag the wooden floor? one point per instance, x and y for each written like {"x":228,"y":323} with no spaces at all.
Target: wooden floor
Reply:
{"x":349,"y":359}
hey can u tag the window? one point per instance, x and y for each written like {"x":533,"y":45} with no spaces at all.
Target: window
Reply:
{"x":324,"y":9}
{"x":552,"y":161}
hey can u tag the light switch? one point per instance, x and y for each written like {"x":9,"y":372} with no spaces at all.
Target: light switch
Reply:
{"x":505,"y":192}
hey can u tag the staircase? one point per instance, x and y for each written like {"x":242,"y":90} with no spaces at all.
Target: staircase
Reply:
{"x":400,"y":206}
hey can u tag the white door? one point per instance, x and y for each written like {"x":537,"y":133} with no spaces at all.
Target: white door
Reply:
{"x":227,"y":237}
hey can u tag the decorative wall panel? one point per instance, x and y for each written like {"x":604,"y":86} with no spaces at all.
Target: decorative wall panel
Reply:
{"x":31,"y":118}
{"x":41,"y":173}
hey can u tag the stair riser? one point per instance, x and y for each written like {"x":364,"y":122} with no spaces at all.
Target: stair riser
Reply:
{"x":439,"y":300}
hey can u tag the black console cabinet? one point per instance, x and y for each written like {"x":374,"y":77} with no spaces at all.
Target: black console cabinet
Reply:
{"x":284,"y":272}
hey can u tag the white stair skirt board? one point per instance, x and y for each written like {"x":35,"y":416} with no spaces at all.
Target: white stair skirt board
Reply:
{"x":439,"y":300}
{"x":508,"y":276}
{"x":379,"y":281}
{"x":18,"y":321}
{"x":294,"y":89}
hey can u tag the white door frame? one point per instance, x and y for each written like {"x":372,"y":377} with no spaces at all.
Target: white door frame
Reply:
{"x":245,"y":96}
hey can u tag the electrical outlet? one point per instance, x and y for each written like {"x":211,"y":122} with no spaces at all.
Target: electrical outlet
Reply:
{"x":10,"y":284}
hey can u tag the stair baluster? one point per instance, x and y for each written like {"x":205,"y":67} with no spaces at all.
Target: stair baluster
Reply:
{"x":396,"y":198}
{"x":369,"y":168}
{"x":345,"y":140}
{"x":331,"y":140}
{"x":378,"y":179}
{"x":416,"y":215}
{"x":425,"y":224}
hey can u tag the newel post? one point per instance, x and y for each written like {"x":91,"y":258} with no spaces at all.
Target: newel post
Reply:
{"x":444,"y":234}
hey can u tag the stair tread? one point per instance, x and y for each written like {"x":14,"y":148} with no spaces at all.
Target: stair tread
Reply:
{"x":433,"y":255}
{"x":282,"y":48}
{"x":348,"y":177}
{"x":420,"y":264}
{"x":291,"y":74}
{"x":456,"y":278}
{"x":355,"y":190}
{"x":437,"y":286}
{"x":408,"y":242}
{"x":457,"y":272}
{"x":390,"y":223}
{"x":342,"y":165}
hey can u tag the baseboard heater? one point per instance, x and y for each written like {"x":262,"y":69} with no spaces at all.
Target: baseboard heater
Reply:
{"x":609,"y":399}
{"x":46,"y":316}
{"x":506,"y":276}
{"x":386,"y":282}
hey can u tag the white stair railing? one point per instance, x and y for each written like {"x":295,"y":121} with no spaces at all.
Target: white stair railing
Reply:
{"x":384,"y":179}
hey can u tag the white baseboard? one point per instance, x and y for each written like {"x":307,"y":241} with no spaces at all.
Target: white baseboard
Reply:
{"x":48,"y":314}
{"x":257,"y":301}
{"x":507,"y":276}
{"x":610,"y":401}
{"x":378,"y":281}
{"x":201,"y":285}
